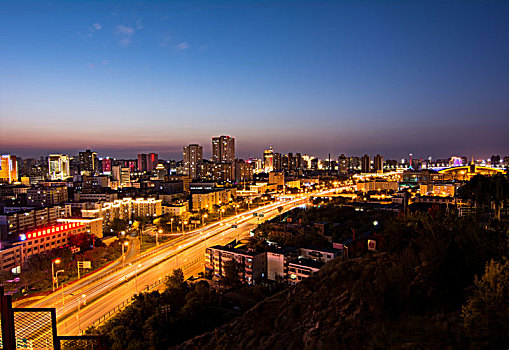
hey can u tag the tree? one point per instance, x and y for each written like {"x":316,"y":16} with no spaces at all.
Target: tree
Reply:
{"x":175,"y":280}
{"x":231,"y":272}
{"x":486,"y":314}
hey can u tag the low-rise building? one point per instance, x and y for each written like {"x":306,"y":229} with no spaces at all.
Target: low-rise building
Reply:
{"x":302,"y":268}
{"x":206,"y":199}
{"x":377,"y":186}
{"x":174,"y":210}
{"x":13,"y":255}
{"x":319,"y":254}
{"x":251,"y":266}
{"x":437,"y":189}
{"x":124,"y":209}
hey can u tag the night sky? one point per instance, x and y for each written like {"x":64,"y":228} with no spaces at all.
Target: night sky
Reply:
{"x":353,"y":77}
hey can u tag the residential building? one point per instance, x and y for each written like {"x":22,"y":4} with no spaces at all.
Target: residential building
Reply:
{"x":206,"y":199}
{"x":42,"y":195}
{"x":250,"y":266}
{"x":223,"y":149}
{"x":193,"y":159}
{"x":377,"y":186}
{"x":268,"y":160}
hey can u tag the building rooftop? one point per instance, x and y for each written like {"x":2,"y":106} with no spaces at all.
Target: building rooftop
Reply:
{"x":307,"y":263}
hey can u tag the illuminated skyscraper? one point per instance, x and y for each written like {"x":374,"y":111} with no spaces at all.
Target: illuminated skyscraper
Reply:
{"x":193,"y":159}
{"x":8,"y":169}
{"x":223,"y":149}
{"x":58,"y":166}
{"x":89,"y":163}
{"x":268,"y":160}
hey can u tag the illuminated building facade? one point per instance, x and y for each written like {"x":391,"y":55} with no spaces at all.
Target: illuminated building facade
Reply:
{"x":37,"y":241}
{"x":8,"y":169}
{"x":58,"y":167}
{"x":124,"y":209}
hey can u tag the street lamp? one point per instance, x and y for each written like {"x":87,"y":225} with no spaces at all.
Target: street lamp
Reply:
{"x":56,"y":277}
{"x":126,"y":243}
{"x":220,"y":214}
{"x":203,"y":219}
{"x":53,"y":262}
{"x":157,"y":236}
{"x":171,"y":223}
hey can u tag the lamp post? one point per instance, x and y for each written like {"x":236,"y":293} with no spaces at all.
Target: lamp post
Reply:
{"x":203,"y":219}
{"x":56,"y":277}
{"x":79,"y":305}
{"x":220,"y":214}
{"x":53,"y":262}
{"x":171,"y":223}
{"x":157,"y":236}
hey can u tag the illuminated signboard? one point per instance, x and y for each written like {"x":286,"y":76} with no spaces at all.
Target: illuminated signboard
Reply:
{"x":47,"y":231}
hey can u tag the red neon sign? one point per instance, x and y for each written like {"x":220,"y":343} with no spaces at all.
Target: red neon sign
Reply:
{"x":47,"y":231}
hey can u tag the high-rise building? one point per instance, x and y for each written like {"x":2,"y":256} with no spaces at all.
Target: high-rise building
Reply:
{"x":268,"y":160}
{"x":277,"y":162}
{"x":106,"y":165}
{"x":378,"y":163}
{"x":365,"y":164}
{"x":223,"y":149}
{"x":58,"y":167}
{"x":147,"y":162}
{"x":8,"y":169}
{"x":342,"y":164}
{"x":193,"y":159}
{"x":89,"y":163}
{"x":142,"y":162}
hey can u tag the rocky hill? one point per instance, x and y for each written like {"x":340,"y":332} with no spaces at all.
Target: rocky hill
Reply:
{"x":352,"y":304}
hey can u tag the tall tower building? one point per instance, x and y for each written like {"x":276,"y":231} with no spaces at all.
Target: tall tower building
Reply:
{"x":223,"y":149}
{"x":89,"y":163}
{"x":193,"y":159}
{"x":8,"y":169}
{"x":365,"y":164}
{"x":142,"y":162}
{"x":268,"y":160}
{"x":58,"y":166}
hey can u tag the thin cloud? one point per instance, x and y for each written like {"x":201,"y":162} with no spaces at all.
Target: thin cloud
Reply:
{"x":183,"y":46}
{"x":97,"y":26}
{"x":124,"y":33}
{"x":91,"y":65}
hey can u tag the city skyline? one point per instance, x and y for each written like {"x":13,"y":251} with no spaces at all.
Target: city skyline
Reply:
{"x":332,"y":77}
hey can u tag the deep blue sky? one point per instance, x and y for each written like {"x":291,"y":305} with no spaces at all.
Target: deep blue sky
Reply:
{"x":389,"y":77}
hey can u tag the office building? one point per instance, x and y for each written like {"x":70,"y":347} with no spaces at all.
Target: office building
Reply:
{"x":193,"y":159}
{"x":58,"y":167}
{"x":223,"y":149}
{"x":8,"y":169}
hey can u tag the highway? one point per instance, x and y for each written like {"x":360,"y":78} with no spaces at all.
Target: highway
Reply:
{"x":99,"y":296}
{"x":188,"y":255}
